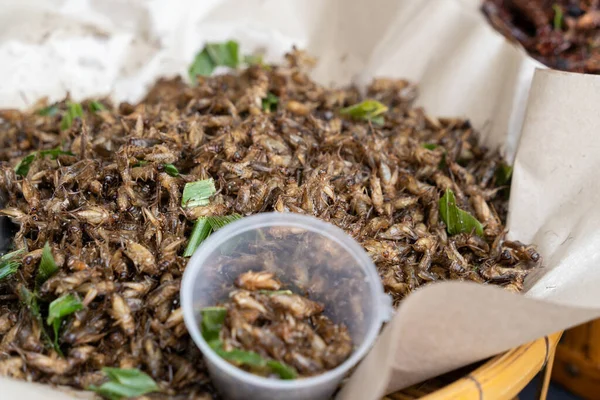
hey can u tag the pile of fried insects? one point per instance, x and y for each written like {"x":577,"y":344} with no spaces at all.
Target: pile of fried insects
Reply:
{"x":107,"y":202}
{"x":272,"y":332}
{"x":563,"y":34}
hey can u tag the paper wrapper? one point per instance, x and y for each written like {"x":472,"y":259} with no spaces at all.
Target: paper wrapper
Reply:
{"x":464,"y":68}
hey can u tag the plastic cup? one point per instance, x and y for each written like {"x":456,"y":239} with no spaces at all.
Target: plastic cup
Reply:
{"x":308,"y":256}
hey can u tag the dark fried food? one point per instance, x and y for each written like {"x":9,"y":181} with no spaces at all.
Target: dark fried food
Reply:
{"x":280,"y":326}
{"x":563,"y":34}
{"x":112,"y":214}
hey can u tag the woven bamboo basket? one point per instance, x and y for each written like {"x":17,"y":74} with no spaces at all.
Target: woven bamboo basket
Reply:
{"x":500,"y":378}
{"x":578,"y":360}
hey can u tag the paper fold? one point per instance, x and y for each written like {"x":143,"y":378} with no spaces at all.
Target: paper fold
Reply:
{"x":464,"y":69}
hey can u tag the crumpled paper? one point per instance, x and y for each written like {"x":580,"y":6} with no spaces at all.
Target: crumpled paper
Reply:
{"x":546,"y":123}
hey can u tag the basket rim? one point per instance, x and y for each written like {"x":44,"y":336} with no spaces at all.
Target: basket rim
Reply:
{"x":503,"y":376}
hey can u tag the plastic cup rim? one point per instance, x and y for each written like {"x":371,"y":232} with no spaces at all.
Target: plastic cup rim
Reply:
{"x":290,"y":220}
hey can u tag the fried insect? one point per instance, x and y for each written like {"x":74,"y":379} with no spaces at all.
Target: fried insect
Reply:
{"x":257,"y":280}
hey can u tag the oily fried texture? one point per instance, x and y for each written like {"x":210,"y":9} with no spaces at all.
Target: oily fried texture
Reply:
{"x":114,"y":220}
{"x":282,"y":326}
{"x":563,"y":34}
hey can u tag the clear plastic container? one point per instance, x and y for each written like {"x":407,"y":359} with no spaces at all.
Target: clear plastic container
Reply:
{"x":308,"y":256}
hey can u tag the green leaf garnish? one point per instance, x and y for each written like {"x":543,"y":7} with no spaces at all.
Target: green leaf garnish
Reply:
{"x":214,"y":55}
{"x":198,"y":193}
{"x":242,"y":357}
{"x":74,"y":110}
{"x":49,"y":111}
{"x":378,"y":120}
{"x":253,"y":59}
{"x":558,"y":17}
{"x":503,"y":174}
{"x":202,"y":66}
{"x":171,"y":170}
{"x":22,"y":168}
{"x":96,"y":106}
{"x":140,"y":163}
{"x":212,"y":322}
{"x":54,"y":153}
{"x":131,"y":377}
{"x":59,"y":309}
{"x":283,"y":370}
{"x":125,"y":383}
{"x":457,"y":220}
{"x":63,"y":306}
{"x":114,"y":391}
{"x":9,"y":268}
{"x":47,"y":266}
{"x":367,"y":110}
{"x":269,"y":103}
{"x":218,"y":222}
{"x":203,"y":227}
{"x":8,"y":264}
{"x":430,"y":146}
{"x":200,"y":232}
{"x":249,"y":358}
{"x":226,"y":54}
